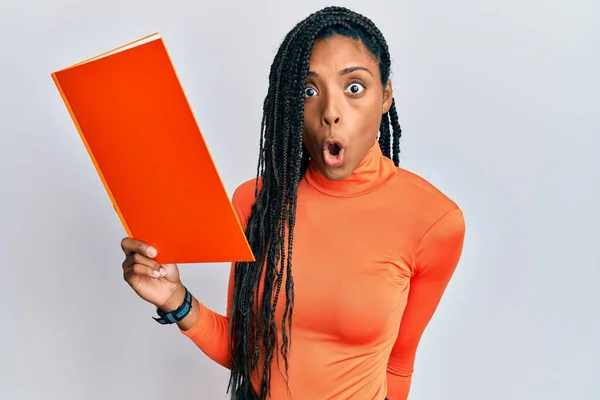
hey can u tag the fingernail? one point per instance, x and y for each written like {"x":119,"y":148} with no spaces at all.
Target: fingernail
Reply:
{"x":156,"y":274}
{"x":152,"y":252}
{"x":163,"y":272}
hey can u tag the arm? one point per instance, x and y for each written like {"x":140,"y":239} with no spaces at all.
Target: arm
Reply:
{"x":434,"y":264}
{"x":208,"y":329}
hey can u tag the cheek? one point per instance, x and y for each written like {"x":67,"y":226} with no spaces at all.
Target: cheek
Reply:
{"x":367,"y":117}
{"x":310,"y":123}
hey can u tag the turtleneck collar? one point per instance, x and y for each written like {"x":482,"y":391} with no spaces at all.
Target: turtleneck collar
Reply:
{"x":374,"y":171}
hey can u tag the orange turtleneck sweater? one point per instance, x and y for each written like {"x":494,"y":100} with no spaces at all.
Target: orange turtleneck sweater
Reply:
{"x":372,"y":257}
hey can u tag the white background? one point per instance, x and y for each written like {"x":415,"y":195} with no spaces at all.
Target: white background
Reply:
{"x":499,"y":105}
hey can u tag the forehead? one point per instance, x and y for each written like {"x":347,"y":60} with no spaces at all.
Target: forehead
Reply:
{"x":338,"y":52}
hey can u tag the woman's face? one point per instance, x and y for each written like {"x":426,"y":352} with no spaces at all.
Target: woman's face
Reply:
{"x":344,"y":102}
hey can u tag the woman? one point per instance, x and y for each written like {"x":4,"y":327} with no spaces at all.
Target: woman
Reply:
{"x":339,"y":231}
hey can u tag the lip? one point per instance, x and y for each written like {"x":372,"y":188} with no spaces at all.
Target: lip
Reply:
{"x":333,"y":161}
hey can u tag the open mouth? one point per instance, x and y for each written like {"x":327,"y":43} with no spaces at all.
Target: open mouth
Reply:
{"x":333,"y":155}
{"x":334,"y":149}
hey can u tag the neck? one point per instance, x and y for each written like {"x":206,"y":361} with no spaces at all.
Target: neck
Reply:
{"x":374,"y":171}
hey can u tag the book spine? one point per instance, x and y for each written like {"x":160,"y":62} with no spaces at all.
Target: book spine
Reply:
{"x":92,"y":157}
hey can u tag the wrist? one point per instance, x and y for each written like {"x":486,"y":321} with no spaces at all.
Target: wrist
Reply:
{"x":177,"y":298}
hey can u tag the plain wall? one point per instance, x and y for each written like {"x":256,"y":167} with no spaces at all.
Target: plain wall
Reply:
{"x":499,"y":107}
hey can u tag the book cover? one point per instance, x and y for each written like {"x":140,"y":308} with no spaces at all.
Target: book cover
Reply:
{"x":139,"y":130}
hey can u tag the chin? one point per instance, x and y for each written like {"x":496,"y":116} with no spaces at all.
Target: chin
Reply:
{"x":336,"y":174}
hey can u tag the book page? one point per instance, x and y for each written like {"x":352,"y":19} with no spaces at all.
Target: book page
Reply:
{"x":127,"y":46}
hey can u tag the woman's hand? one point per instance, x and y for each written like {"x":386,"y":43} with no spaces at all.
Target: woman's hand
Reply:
{"x":157,"y":284}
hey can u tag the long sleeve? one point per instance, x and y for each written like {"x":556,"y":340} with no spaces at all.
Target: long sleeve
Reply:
{"x":210,"y":332}
{"x":433,"y":266}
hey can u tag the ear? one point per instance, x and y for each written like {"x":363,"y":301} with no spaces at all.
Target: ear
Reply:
{"x":387,"y":97}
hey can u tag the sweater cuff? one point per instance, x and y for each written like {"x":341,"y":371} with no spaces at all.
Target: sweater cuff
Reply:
{"x":198,"y":325}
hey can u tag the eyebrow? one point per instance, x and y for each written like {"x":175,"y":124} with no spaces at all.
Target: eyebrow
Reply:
{"x":345,"y":71}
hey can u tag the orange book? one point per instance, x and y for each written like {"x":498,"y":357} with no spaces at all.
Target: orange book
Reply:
{"x":143,"y":139}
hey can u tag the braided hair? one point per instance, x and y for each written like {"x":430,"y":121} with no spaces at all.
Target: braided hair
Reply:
{"x":282,"y":163}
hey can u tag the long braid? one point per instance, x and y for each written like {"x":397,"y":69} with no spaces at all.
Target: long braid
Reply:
{"x":281,"y":165}
{"x":384,"y":135}
{"x":397,"y":132}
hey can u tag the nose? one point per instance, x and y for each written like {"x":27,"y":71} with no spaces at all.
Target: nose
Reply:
{"x":330,"y":120}
{"x":331,"y":113}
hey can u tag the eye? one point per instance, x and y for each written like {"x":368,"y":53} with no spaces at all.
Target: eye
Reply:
{"x":355,"y":88}
{"x":309,"y":92}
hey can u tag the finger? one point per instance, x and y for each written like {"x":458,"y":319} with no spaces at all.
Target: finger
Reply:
{"x":144,"y":270}
{"x":143,"y":260}
{"x":130,"y":246}
{"x":136,"y":258}
{"x":127,"y":263}
{"x":170,"y":272}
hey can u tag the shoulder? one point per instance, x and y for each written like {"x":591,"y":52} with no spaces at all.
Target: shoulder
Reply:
{"x":430,"y":206}
{"x":243,"y":199}
{"x":423,"y":189}
{"x":438,"y":222}
{"x":244,"y":192}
